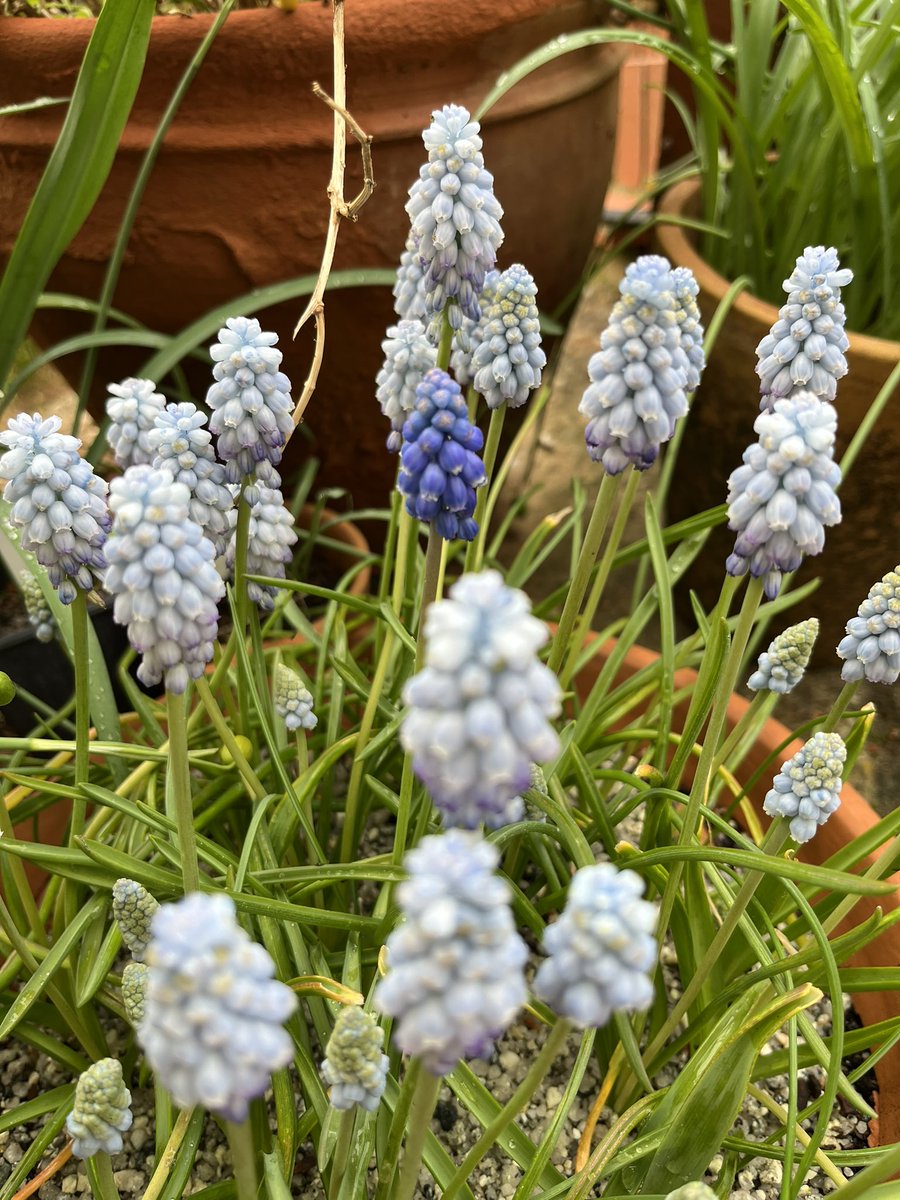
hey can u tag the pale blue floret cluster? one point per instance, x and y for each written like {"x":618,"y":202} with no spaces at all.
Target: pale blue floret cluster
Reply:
{"x":180,"y":443}
{"x":871,"y":648}
{"x":355,"y":1066}
{"x":807,"y":788}
{"x":102,"y":1110}
{"x":440,"y":467}
{"x":251,"y":402}
{"x":408,"y":356}
{"x":454,"y":214}
{"x":58,"y":503}
{"x":163,"y":577}
{"x":409,"y":297}
{"x":36,"y":608}
{"x":805,"y":347}
{"x":639,"y":376}
{"x":271,"y":537}
{"x":133,"y":908}
{"x":132,"y":407}
{"x":213,"y":1028}
{"x":508,"y":360}
{"x":293,"y":700}
{"x":478,"y":712}
{"x":783,"y":497}
{"x":467,"y":337}
{"x":687,"y":314}
{"x":134,"y":991}
{"x":781,"y":667}
{"x":601,"y":949}
{"x":455,"y":977}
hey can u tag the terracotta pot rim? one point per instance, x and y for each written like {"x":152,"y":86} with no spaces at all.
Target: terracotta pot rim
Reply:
{"x":678,"y":247}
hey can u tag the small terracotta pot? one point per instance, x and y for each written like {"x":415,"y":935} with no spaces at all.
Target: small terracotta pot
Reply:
{"x":860,"y":550}
{"x":853,"y":817}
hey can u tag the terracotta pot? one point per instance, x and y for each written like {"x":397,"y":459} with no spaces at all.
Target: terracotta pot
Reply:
{"x":237,"y":198}
{"x":853,"y":817}
{"x":862,"y":548}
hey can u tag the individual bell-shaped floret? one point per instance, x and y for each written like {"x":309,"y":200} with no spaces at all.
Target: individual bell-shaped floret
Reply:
{"x":455,"y":977}
{"x":293,"y":699}
{"x":455,"y":215}
{"x":783,"y":497}
{"x":271,"y":537}
{"x":781,"y":667}
{"x":690,"y":324}
{"x":134,"y":991}
{"x":638,"y":377}
{"x":508,"y":361}
{"x":36,"y":607}
{"x":408,"y":356}
{"x":807,"y":788}
{"x":132,"y":407}
{"x":871,"y":648}
{"x":440,"y":464}
{"x":58,"y":503}
{"x":102,"y":1110}
{"x":213,"y":1028}
{"x":601,"y":949}
{"x":805,"y":348}
{"x":408,"y":292}
{"x":251,"y":401}
{"x":163,"y":577}
{"x":133,"y":908}
{"x":478,"y":712}
{"x":355,"y":1066}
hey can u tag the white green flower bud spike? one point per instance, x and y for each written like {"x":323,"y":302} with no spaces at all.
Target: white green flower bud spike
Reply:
{"x":102,"y":1110}
{"x":133,"y":909}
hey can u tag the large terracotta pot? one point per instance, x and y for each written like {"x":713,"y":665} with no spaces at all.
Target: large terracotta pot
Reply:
{"x":864,"y":546}
{"x":237,"y":198}
{"x":854,"y":817}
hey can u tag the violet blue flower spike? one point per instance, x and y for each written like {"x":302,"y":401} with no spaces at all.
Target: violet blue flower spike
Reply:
{"x":355,"y":1066}
{"x":133,"y":908}
{"x":58,"y":503}
{"x":40,"y":618}
{"x":781,"y":667}
{"x":807,"y":788}
{"x":293,"y":700}
{"x":455,"y":215}
{"x":163,"y":577}
{"x":181,"y":444}
{"x":213,"y":1028}
{"x":783,"y":497}
{"x":478,"y":712}
{"x":271,"y":537}
{"x":601,"y":949}
{"x":805,"y":347}
{"x":638,"y":377}
{"x":408,"y":356}
{"x":102,"y":1110}
{"x":508,"y":360}
{"x":251,"y":402}
{"x":132,"y":407}
{"x":440,"y":467}
{"x":408,"y":292}
{"x":687,"y":313}
{"x":455,"y":977}
{"x":871,"y":648}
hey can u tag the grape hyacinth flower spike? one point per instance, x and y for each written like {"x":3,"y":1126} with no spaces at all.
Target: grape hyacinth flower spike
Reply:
{"x":40,"y":618}
{"x":687,"y":314}
{"x":440,"y":467}
{"x":408,"y":356}
{"x":781,"y":667}
{"x":133,"y":909}
{"x":508,"y":361}
{"x":102,"y":1110}
{"x":133,"y":407}
{"x":271,"y":537}
{"x":293,"y":700}
{"x":455,"y":977}
{"x":478,"y":712}
{"x":163,"y":577}
{"x":455,"y":215}
{"x":871,"y":648}
{"x":408,"y":292}
{"x":601,"y":949}
{"x":467,"y":338}
{"x":807,"y":788}
{"x":638,"y":377}
{"x":58,"y":503}
{"x":134,"y":991}
{"x":804,"y":349}
{"x":213,"y":1028}
{"x":251,"y":402}
{"x":783,"y":497}
{"x":355,"y":1066}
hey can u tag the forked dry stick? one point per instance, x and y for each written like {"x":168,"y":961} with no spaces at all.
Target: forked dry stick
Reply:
{"x":339,"y":206}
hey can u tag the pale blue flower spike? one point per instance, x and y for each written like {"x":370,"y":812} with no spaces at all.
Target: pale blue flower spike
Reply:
{"x":213,"y":1028}
{"x":162,"y":575}
{"x":478,"y":713}
{"x":293,"y":700}
{"x":871,"y":649}
{"x":784,"y":496}
{"x":601,"y":950}
{"x":408,"y":290}
{"x":58,"y":503}
{"x":355,"y":1066}
{"x":508,"y":360}
{"x":467,"y":337}
{"x":270,"y":541}
{"x":409,"y":355}
{"x":687,"y":314}
{"x":807,"y":788}
{"x":133,"y":908}
{"x":133,"y":407}
{"x":102,"y":1110}
{"x":781,"y":667}
{"x":455,"y":977}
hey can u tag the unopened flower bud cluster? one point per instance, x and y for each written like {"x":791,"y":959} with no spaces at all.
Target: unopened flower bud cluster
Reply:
{"x":781,"y":667}
{"x":807,"y":788}
{"x":355,"y":1066}
{"x":102,"y":1110}
{"x":293,"y":700}
{"x":871,"y":648}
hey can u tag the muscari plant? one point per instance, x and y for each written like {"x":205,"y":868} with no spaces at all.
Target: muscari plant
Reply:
{"x":322,"y":873}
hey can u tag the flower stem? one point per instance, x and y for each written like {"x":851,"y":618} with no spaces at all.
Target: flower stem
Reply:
{"x":81,"y":656}
{"x":839,"y":707}
{"x":342,"y":1151}
{"x":430,"y":582}
{"x":100,"y":1173}
{"x":179,"y":801}
{"x":349,"y":833}
{"x":423,"y":1102}
{"x":164,"y":1166}
{"x":475,"y":550}
{"x":241,"y":599}
{"x":243,"y":1157}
